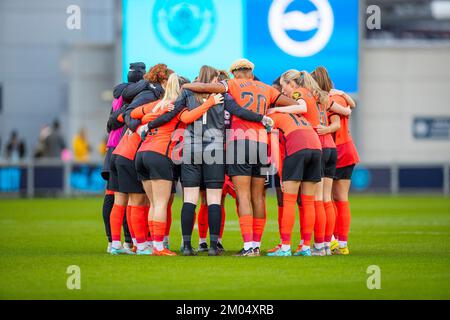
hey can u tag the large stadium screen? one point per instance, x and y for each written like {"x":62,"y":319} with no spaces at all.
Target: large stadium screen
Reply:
{"x":275,"y":34}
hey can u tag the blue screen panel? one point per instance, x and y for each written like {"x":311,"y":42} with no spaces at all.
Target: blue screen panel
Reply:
{"x":183,"y":34}
{"x":276,"y":35}
{"x":421,"y":178}
{"x":49,"y":177}
{"x":304,"y":34}
{"x":13,"y":179}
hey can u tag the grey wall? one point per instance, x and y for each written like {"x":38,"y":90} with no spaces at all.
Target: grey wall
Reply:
{"x":48,"y":72}
{"x":37,"y":61}
{"x":398,"y":84}
{"x":90,"y":75}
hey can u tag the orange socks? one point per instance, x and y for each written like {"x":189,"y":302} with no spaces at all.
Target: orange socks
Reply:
{"x":301,"y":217}
{"x":130,"y":225}
{"x":159,"y":229}
{"x":287,"y":217}
{"x":203,"y":221}
{"x":246,"y":224}
{"x":150,"y":229}
{"x":307,"y":216}
{"x":343,"y":219}
{"x":258,"y":230}
{"x":330,"y":220}
{"x":280,"y":218}
{"x":116,"y":221}
{"x":159,"y":232}
{"x":336,"y":213}
{"x":138,"y":221}
{"x":321,"y":220}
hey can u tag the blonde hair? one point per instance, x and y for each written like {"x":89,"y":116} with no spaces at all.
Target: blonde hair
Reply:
{"x":305,"y":80}
{"x":241,"y":64}
{"x":171,"y":92}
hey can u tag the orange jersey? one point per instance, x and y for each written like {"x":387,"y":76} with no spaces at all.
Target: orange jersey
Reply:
{"x":140,"y":112}
{"x":144,"y":112}
{"x":297,"y":132}
{"x":164,"y":138}
{"x":343,"y":135}
{"x":274,"y":154}
{"x":128,"y":145}
{"x":327,"y":141}
{"x":347,"y":153}
{"x":254,"y":96}
{"x":316,"y":114}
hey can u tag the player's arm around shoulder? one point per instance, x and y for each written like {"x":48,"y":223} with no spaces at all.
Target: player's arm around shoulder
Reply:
{"x":339,"y":109}
{"x":288,"y":105}
{"x":189,"y":116}
{"x":232,"y":107}
{"x":205,"y":87}
{"x":351,"y":103}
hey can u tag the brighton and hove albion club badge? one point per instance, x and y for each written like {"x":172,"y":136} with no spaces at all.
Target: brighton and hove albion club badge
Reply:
{"x":296,"y":95}
{"x":318,"y":21}
{"x":184,"y":26}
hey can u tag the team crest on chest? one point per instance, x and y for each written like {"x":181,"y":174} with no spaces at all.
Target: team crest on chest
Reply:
{"x":296,"y":95}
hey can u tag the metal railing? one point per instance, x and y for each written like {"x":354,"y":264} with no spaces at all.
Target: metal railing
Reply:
{"x":50,"y":177}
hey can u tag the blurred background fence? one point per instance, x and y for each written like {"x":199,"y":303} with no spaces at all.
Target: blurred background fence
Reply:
{"x":56,"y":178}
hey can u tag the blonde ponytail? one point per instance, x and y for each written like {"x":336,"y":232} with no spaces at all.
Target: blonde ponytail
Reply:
{"x":305,"y":80}
{"x":171,"y":93}
{"x":313,"y":86}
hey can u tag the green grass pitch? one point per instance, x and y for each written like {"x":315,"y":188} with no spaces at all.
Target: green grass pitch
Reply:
{"x":407,"y":237}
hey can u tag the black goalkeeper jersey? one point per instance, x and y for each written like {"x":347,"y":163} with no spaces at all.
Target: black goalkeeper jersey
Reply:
{"x":209,"y":129}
